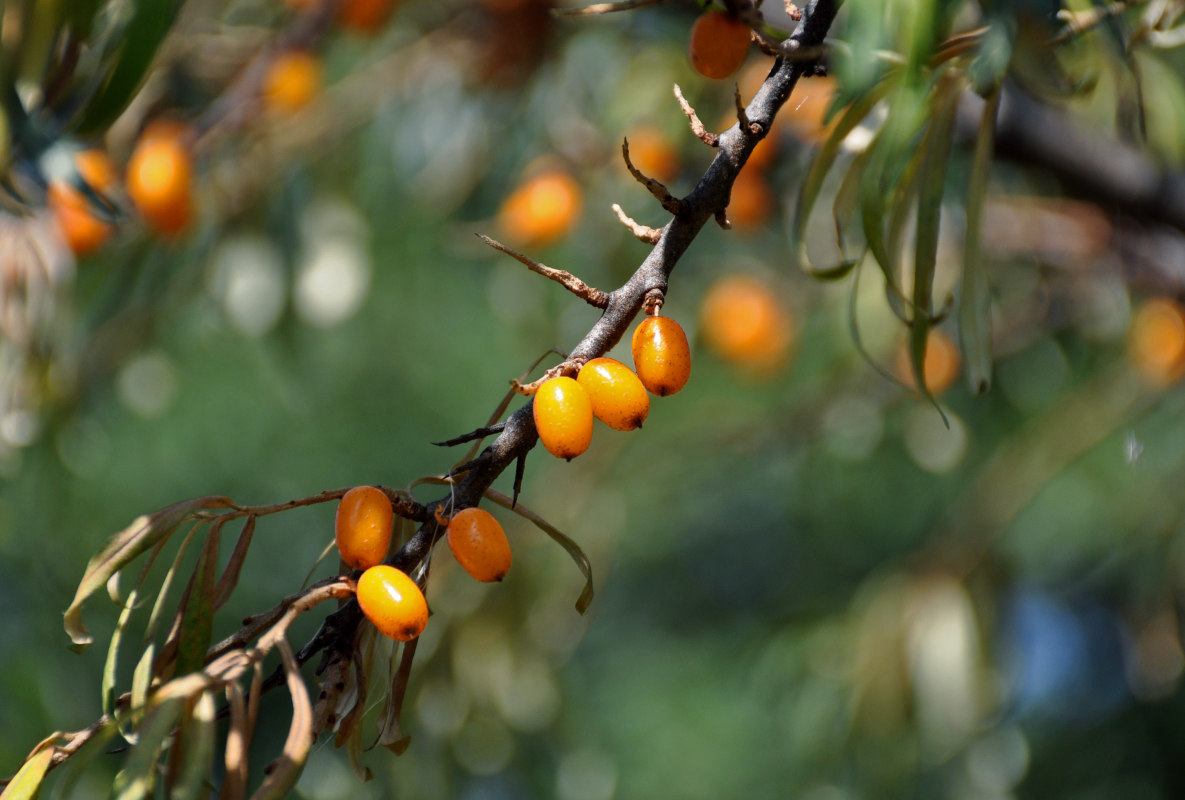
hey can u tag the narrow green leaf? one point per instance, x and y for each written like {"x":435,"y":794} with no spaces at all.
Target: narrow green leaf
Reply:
{"x":975,"y":321}
{"x":931,"y":188}
{"x":142,"y":678}
{"x":121,"y":549}
{"x":26,"y":784}
{"x":230,"y":576}
{"x":391,"y":735}
{"x":197,"y":618}
{"x":110,"y":668}
{"x":196,"y":740}
{"x":574,"y":550}
{"x":138,"y":777}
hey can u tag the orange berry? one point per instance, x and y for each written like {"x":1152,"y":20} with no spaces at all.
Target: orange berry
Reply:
{"x":542,"y":209}
{"x":745,"y":324}
{"x":653,"y":154}
{"x":719,"y":44}
{"x":662,"y":356}
{"x":940,"y":367}
{"x":364,"y":16}
{"x":563,"y":417}
{"x":292,"y":81}
{"x":752,"y":200}
{"x":84,"y":233}
{"x":1157,"y":340}
{"x":479,"y":544}
{"x":618,"y":398}
{"x":363,"y":526}
{"x":160,"y":178}
{"x":392,"y":602}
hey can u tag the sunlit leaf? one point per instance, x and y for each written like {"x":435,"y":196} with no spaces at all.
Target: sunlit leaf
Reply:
{"x":26,"y":784}
{"x":287,"y":768}
{"x":126,"y":545}
{"x":975,"y":323}
{"x":138,"y":777}
{"x":238,"y":744}
{"x":574,"y":550}
{"x":197,"y":616}
{"x":142,"y":678}
{"x":196,"y":742}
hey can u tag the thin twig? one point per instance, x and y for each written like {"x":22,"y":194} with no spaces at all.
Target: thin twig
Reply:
{"x":667,"y":200}
{"x":570,"y":367}
{"x":589,"y":294}
{"x":480,"y":433}
{"x":605,"y":8}
{"x":697,"y":127}
{"x":643,"y":232}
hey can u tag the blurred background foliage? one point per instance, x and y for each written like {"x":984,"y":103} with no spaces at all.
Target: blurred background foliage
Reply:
{"x":808,"y":585}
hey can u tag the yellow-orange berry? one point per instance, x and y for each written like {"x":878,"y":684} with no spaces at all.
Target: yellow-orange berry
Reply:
{"x":744,"y":323}
{"x":940,"y":367}
{"x":807,"y":108}
{"x":479,"y":544}
{"x":363,"y":526}
{"x":542,"y":209}
{"x":1156,"y":343}
{"x":563,"y":417}
{"x":718,"y":46}
{"x":72,"y":212}
{"x":752,"y":200}
{"x":160,"y":178}
{"x":617,"y":395}
{"x":364,"y":16}
{"x":292,"y":81}
{"x":392,"y":602}
{"x":662,"y":356}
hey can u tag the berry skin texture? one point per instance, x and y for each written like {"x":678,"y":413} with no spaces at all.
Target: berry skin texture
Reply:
{"x":940,"y":367}
{"x":662,"y":356}
{"x":563,"y":417}
{"x":718,"y":45}
{"x":1156,"y":342}
{"x":71,"y":210}
{"x":479,"y":544}
{"x":392,"y":602}
{"x":744,"y":323}
{"x":363,"y":526}
{"x":292,"y":81}
{"x":160,"y":179}
{"x":618,"y":397}
{"x":542,"y":210}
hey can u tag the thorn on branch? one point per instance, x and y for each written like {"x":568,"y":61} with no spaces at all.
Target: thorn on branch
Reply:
{"x":697,"y":127}
{"x":722,"y":219}
{"x":519,"y":469}
{"x":742,"y":117}
{"x":589,"y":294}
{"x":570,"y":367}
{"x":668,"y":201}
{"x":767,"y":45}
{"x":480,"y":433}
{"x":642,"y":232}
{"x":793,"y":11}
{"x":652,"y":301}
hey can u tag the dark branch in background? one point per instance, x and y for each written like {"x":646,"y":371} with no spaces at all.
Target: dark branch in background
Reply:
{"x":706,"y":201}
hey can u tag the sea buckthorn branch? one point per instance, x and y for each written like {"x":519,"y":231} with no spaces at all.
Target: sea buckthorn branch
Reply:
{"x":668,"y":201}
{"x":643,"y":233}
{"x":697,"y":127}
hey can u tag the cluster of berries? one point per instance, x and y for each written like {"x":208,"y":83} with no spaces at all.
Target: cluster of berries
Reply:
{"x":389,"y":597}
{"x":610,"y":391}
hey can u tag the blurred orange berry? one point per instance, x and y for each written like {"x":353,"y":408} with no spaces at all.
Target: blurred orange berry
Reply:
{"x":752,"y":201}
{"x":807,"y":107}
{"x":940,"y":367}
{"x":563,"y":417}
{"x":479,"y":544}
{"x":542,"y":210}
{"x":160,"y":178}
{"x":364,"y":16}
{"x":72,"y":210}
{"x":653,"y":154}
{"x":1156,"y":342}
{"x":744,"y":323}
{"x":662,"y":356}
{"x":293,"y":79}
{"x":392,"y":602}
{"x":618,"y":397}
{"x":718,"y":45}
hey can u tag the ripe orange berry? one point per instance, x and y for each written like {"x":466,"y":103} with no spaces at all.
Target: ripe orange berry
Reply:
{"x":479,"y":544}
{"x":1156,"y":342}
{"x":618,"y":397}
{"x":940,"y":367}
{"x":160,"y":178}
{"x":392,"y":602}
{"x":745,"y":324}
{"x":542,"y":209}
{"x":653,"y":154}
{"x":719,"y":44}
{"x":363,"y":526}
{"x":751,"y":202}
{"x":662,"y":356}
{"x":84,"y":233}
{"x":364,"y":16}
{"x":563,"y":417}
{"x":292,"y":81}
